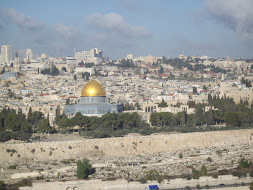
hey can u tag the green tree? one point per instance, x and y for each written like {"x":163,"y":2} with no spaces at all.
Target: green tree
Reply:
{"x":245,"y":163}
{"x":11,"y":122}
{"x":45,"y":126}
{"x":191,"y":104}
{"x":54,"y":71}
{"x":65,"y":123}
{"x":200,"y":114}
{"x":81,"y":63}
{"x":232,"y":118}
{"x":89,"y":65}
{"x":86,"y":76}
{"x":155,"y":119}
{"x":246,"y":82}
{"x":84,"y":169}
{"x":251,"y":186}
{"x":67,"y":101}
{"x":2,"y":185}
{"x":161,"y":70}
{"x":137,"y":106}
{"x":5,"y":136}
{"x":163,"y":104}
{"x":194,"y":90}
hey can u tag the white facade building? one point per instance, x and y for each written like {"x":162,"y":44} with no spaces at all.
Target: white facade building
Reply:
{"x":86,"y":55}
{"x":71,"y":60}
{"x":130,"y":56}
{"x":83,"y":70}
{"x":6,"y":54}
{"x":151,"y":59}
{"x":28,"y":55}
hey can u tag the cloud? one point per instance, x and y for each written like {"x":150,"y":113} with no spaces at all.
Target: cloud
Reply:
{"x":235,"y":14}
{"x":67,"y":32}
{"x":21,"y":20}
{"x":115,"y":23}
{"x":61,"y":36}
{"x":111,"y":40}
{"x":131,"y":5}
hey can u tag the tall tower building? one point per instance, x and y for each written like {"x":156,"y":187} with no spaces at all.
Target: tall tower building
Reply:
{"x":6,"y":54}
{"x":28,"y":55}
{"x":16,"y":62}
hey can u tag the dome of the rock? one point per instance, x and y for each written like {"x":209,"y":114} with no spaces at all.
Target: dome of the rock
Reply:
{"x":93,"y":102}
{"x":93,"y":88}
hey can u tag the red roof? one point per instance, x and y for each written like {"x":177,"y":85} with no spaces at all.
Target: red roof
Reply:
{"x":73,"y":97}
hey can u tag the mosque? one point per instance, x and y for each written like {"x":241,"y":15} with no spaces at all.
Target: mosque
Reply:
{"x":93,"y":102}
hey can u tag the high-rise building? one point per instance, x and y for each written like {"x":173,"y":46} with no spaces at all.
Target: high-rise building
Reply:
{"x":28,"y":55}
{"x":86,"y":55}
{"x":6,"y":54}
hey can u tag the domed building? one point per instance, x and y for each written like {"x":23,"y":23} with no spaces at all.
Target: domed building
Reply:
{"x":93,"y":102}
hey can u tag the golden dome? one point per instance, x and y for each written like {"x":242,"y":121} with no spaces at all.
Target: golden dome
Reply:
{"x":93,"y":88}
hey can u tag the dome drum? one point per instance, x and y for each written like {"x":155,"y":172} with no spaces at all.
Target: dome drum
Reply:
{"x":92,"y":100}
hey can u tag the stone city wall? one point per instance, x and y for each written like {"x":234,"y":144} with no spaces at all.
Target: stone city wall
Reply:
{"x":122,"y":184}
{"x":120,"y":147}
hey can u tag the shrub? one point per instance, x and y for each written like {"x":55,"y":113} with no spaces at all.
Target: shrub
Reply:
{"x":251,"y":173}
{"x":20,"y":135}
{"x":215,"y":175}
{"x":2,"y":185}
{"x":245,"y":163}
{"x":159,"y":179}
{"x":12,"y":167}
{"x":5,"y":136}
{"x":84,"y":169}
{"x":188,"y":177}
{"x":209,"y":159}
{"x":239,"y":174}
{"x":65,"y":161}
{"x":223,"y":172}
{"x":24,"y":182}
{"x":143,"y":180}
{"x":11,"y":150}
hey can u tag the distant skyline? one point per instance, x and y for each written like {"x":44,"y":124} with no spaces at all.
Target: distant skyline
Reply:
{"x":216,"y":28}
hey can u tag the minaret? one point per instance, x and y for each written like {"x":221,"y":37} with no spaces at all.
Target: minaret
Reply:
{"x":228,"y":61}
{"x":16,"y":62}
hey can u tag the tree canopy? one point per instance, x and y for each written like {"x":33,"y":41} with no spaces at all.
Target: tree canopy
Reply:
{"x":84,"y":169}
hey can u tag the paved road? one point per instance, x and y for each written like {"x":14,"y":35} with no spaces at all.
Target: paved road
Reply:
{"x":211,"y":187}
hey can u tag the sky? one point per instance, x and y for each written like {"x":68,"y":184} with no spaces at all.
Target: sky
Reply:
{"x":216,"y":28}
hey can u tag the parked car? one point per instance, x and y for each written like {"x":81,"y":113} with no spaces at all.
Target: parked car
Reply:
{"x":152,"y":187}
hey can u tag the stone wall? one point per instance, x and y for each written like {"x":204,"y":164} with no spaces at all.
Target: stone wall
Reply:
{"x":120,"y":147}
{"x":122,"y":184}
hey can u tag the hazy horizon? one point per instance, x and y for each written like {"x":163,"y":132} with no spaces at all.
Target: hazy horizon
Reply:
{"x":162,"y":28}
